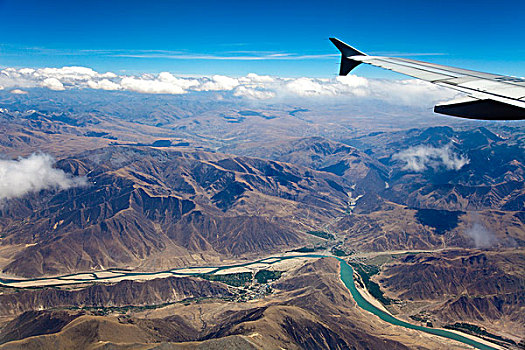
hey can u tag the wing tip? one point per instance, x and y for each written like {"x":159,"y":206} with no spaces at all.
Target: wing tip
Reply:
{"x":346,"y":50}
{"x":347,"y":64}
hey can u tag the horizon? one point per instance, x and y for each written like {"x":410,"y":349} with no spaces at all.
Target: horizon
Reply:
{"x":234,"y":38}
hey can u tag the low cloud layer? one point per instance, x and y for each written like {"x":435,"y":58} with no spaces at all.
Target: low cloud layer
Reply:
{"x":252,"y":86}
{"x":18,"y":92}
{"x":421,"y":158}
{"x":482,"y":237}
{"x":32,"y":174}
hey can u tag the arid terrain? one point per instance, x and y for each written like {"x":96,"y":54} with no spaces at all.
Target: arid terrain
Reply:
{"x":309,"y":308}
{"x":430,"y":213}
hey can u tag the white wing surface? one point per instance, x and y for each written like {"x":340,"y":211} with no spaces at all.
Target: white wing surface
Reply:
{"x":491,"y":96}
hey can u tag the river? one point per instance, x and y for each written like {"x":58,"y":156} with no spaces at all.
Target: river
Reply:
{"x":347,"y":277}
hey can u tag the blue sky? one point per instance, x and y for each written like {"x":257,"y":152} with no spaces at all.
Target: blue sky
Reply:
{"x":282,"y":38}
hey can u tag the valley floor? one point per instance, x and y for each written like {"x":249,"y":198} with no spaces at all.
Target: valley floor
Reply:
{"x":288,"y":262}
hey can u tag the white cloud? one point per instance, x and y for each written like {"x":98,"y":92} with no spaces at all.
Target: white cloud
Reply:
{"x":260,"y":78}
{"x":103,"y":84}
{"x":341,"y":86}
{"x":32,"y":174}
{"x":410,"y":92}
{"x":26,"y":71}
{"x":218,"y":83}
{"x":182,"y":83}
{"x":53,"y":84}
{"x":401,"y":92}
{"x":164,"y":83}
{"x":11,"y":78}
{"x":310,"y":87}
{"x":70,"y":74}
{"x":252,"y":78}
{"x":243,"y":91}
{"x":18,"y":92}
{"x":352,"y":81}
{"x":108,"y":75}
{"x":149,"y":86}
{"x":421,"y":158}
{"x":52,"y":78}
{"x":482,"y":237}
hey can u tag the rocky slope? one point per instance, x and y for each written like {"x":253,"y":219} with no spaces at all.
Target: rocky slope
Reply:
{"x":363,"y":172}
{"x":121,"y":294}
{"x":160,"y":196}
{"x":310,"y":308}
{"x":143,"y":205}
{"x":481,"y":287}
{"x":447,"y":169}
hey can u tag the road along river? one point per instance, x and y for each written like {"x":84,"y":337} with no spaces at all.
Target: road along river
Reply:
{"x":347,"y":277}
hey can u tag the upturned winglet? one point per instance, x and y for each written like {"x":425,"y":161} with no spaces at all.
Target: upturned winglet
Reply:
{"x":347,"y":64}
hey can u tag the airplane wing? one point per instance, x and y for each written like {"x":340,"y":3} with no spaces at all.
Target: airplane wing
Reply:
{"x":490,"y":96}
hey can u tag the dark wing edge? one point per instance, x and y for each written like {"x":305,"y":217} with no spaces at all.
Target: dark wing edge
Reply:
{"x":347,"y":64}
{"x":487,"y":109}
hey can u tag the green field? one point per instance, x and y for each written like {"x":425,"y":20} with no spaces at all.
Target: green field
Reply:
{"x":263,"y":276}
{"x":367,"y":271}
{"x":233,"y":279}
{"x":321,"y":234}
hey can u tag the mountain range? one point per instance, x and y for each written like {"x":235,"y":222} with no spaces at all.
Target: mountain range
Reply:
{"x":432,"y":218}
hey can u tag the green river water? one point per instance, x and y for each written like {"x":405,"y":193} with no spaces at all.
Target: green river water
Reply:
{"x":347,"y":276}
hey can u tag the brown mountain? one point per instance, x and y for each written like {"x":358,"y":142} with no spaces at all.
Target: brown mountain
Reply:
{"x":480,"y":287}
{"x":151,"y":208}
{"x":310,"y":308}
{"x":319,"y":153}
{"x":121,"y":294}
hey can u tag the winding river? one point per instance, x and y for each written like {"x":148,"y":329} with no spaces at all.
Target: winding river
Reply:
{"x":347,"y":277}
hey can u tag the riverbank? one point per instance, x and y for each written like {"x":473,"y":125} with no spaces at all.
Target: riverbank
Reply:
{"x":362,"y":297}
{"x":347,"y":277}
{"x":368,"y":297}
{"x":376,"y":303}
{"x":282,"y":263}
